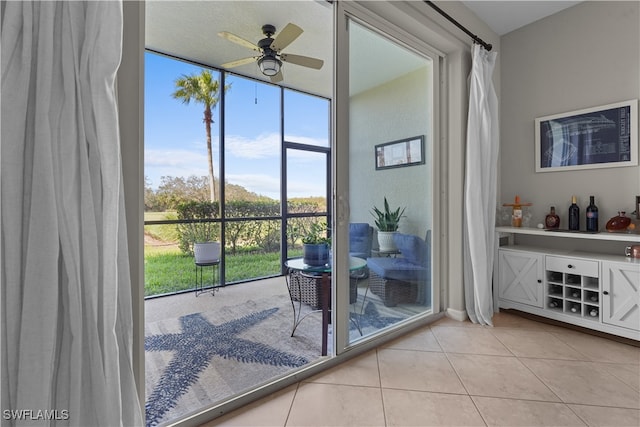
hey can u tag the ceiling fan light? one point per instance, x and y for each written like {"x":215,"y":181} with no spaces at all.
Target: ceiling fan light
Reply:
{"x":269,"y":65}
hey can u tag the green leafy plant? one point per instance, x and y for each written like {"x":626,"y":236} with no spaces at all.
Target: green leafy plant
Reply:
{"x":317,"y":234}
{"x":387,"y":220}
{"x":202,"y":229}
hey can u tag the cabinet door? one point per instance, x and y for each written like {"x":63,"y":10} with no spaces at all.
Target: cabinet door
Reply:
{"x":521,"y":276}
{"x":621,"y":294}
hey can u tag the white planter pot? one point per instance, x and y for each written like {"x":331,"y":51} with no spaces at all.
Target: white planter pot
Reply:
{"x":206,"y":252}
{"x":385,"y":241}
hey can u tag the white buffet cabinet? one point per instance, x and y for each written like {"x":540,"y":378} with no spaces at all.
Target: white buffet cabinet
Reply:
{"x":600,"y":291}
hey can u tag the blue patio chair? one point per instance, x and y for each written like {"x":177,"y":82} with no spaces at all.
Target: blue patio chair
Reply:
{"x":403,"y":279}
{"x":360,"y":243}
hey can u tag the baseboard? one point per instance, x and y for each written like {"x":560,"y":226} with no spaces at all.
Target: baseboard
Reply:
{"x":459,"y":315}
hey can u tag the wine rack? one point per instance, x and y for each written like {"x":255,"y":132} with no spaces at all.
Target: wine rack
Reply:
{"x":573,"y":287}
{"x":560,"y":271}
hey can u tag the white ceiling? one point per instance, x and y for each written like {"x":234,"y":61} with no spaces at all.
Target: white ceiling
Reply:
{"x":506,"y":16}
{"x":189,"y":29}
{"x":369,"y":68}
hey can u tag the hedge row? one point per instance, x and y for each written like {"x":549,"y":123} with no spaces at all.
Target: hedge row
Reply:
{"x":255,"y":234}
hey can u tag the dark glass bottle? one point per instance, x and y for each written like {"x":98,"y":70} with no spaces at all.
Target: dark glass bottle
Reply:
{"x":592,"y":215}
{"x":552,"y":221}
{"x":574,"y":215}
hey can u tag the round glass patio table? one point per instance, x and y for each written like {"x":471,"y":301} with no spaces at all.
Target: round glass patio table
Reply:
{"x":299,"y":265}
{"x":324,"y":271}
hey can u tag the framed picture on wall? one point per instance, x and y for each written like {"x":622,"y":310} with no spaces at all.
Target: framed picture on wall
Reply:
{"x":599,"y":137}
{"x":400,"y":153}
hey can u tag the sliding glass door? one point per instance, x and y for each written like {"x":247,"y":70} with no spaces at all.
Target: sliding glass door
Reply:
{"x":385,"y":202}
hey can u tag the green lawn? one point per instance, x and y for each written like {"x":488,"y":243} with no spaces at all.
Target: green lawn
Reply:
{"x":167,"y":270}
{"x":164,"y":232}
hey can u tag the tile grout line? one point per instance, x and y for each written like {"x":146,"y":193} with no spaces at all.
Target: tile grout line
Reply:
{"x":594,"y":365}
{"x":295,"y":393}
{"x":384,"y":411}
{"x":446,"y":355}
{"x":561,"y":401}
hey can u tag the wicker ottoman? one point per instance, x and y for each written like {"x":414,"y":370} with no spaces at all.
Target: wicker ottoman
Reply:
{"x":307,"y":289}
{"x":392,"y":291}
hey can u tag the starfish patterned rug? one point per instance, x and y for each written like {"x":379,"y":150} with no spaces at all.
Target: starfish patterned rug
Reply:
{"x":200,"y":359}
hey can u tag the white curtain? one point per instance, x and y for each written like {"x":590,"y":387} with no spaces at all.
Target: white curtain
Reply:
{"x":480,"y":187}
{"x":66,"y":291}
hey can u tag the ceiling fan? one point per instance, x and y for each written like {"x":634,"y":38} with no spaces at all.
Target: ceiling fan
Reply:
{"x":270,"y":56}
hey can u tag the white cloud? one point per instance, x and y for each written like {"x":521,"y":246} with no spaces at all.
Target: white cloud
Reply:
{"x":174,"y":158}
{"x":306,"y":189}
{"x":270,"y":186}
{"x":258,"y":183}
{"x":266,"y":145}
{"x":179,"y":162}
{"x":188,"y":162}
{"x":318,"y":142}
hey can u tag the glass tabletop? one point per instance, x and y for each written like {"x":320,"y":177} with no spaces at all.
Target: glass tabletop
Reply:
{"x":298,"y":264}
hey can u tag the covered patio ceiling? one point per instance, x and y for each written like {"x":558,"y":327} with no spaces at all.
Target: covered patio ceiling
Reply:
{"x":189,"y":30}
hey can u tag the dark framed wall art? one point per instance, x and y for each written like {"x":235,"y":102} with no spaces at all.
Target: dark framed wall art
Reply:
{"x":400,"y":153}
{"x":599,"y":137}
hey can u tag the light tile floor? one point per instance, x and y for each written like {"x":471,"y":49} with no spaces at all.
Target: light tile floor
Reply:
{"x":518,"y":373}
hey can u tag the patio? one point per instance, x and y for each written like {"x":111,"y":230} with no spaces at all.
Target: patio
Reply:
{"x":186,"y":303}
{"x":203,"y":350}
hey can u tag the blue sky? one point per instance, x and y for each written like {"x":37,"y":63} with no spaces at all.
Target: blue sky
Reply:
{"x":175,"y":138}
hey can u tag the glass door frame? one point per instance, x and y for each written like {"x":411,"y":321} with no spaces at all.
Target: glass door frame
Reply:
{"x":343,"y":13}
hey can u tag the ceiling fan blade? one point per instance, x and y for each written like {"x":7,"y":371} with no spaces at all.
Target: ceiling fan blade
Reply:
{"x":277,"y":78}
{"x":238,"y":40}
{"x":305,"y":61}
{"x":286,"y":36}
{"x":238,"y":62}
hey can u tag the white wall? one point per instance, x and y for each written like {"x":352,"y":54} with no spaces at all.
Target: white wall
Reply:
{"x":584,"y":56}
{"x":396,"y":110}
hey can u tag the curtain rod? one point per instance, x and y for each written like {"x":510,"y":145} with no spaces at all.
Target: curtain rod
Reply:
{"x":475,"y":38}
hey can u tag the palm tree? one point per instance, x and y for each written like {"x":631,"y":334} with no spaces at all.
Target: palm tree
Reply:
{"x":201,"y":88}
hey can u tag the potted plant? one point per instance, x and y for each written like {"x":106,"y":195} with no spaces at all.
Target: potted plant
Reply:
{"x":199,"y":234}
{"x":206,"y":252}
{"x":315,"y":245}
{"x":387,"y":222}
{"x":205,"y":249}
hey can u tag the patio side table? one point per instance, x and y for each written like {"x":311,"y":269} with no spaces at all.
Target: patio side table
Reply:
{"x":324,"y":272}
{"x":200,"y":266}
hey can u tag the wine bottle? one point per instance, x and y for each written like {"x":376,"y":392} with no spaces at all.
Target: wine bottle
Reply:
{"x":592,"y":215}
{"x":574,"y":215}
{"x":552,"y":221}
